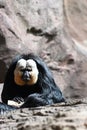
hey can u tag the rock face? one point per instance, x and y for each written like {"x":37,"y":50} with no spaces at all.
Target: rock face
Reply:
{"x":57,"y":31}
{"x":48,"y":28}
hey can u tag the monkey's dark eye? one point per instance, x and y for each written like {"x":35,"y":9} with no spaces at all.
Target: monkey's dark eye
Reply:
{"x":22,"y":70}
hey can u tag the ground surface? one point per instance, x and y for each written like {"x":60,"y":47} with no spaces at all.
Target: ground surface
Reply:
{"x":46,"y":118}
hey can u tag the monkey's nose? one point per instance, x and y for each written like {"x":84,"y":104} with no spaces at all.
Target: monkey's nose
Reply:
{"x":26,"y":76}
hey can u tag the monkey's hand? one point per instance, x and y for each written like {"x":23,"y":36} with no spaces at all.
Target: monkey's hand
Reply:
{"x":16,"y":101}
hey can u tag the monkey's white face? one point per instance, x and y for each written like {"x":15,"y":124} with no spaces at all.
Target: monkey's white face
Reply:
{"x":26,"y":72}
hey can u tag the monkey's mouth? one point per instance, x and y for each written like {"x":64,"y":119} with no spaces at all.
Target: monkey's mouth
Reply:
{"x":26,"y":78}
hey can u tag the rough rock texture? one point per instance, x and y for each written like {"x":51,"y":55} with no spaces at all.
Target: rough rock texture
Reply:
{"x":57,"y":31}
{"x":46,"y":118}
{"x":47,"y":29}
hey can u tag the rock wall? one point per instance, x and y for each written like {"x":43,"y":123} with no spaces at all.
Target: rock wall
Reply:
{"x":44,"y":27}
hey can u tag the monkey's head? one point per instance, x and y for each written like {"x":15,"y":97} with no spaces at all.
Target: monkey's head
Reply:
{"x":26,"y":72}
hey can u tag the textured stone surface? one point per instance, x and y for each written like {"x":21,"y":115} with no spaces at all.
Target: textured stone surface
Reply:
{"x":57,"y":31}
{"x":43,"y":27}
{"x":46,"y":118}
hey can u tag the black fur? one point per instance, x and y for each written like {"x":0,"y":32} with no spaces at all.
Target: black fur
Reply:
{"x":44,"y":92}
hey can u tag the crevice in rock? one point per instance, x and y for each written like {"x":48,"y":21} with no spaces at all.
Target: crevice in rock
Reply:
{"x":39,"y":32}
{"x":49,"y":36}
{"x":13,"y":33}
{"x":2,"y":39}
{"x":2,"y":6}
{"x":34,"y":31}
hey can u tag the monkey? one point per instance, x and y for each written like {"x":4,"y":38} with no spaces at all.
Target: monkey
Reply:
{"x":29,"y":78}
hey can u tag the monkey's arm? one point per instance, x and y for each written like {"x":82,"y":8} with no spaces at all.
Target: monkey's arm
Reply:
{"x":35,"y":100}
{"x":43,"y":99}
